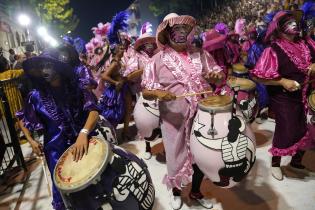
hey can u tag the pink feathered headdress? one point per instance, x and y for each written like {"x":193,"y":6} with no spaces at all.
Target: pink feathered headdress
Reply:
{"x":145,"y":36}
{"x":240,"y":26}
{"x":213,"y":40}
{"x":96,"y":50}
{"x":101,"y":29}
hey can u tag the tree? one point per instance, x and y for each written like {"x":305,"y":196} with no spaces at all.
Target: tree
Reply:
{"x":56,"y":13}
{"x":190,"y":7}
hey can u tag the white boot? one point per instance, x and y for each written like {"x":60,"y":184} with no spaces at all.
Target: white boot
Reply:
{"x":205,"y":202}
{"x":277,"y":173}
{"x":147,"y":155}
{"x":176,"y":202}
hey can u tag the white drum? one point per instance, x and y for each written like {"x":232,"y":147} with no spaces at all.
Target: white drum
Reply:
{"x":147,"y":118}
{"x":222,"y":144}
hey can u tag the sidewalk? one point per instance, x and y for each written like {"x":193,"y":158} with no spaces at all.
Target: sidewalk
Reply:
{"x":260,"y":191}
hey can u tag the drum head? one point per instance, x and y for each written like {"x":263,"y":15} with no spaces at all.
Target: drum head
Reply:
{"x":244,"y":84}
{"x":311,"y":100}
{"x":216,"y":103}
{"x":239,"y":68}
{"x":71,"y":176}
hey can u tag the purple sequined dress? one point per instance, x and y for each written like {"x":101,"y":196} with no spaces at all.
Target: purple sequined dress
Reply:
{"x":60,"y":114}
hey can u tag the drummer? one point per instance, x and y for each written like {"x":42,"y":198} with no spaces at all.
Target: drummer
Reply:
{"x":58,"y":106}
{"x":284,"y":67}
{"x":145,"y":47}
{"x":171,"y":72}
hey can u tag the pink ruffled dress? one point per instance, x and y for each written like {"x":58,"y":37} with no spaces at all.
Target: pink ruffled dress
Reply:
{"x":178,"y":73}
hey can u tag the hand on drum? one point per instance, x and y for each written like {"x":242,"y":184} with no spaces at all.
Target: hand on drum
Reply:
{"x":214,"y":77}
{"x":163,"y":95}
{"x":37,"y":147}
{"x":290,"y":85}
{"x":80,"y":147}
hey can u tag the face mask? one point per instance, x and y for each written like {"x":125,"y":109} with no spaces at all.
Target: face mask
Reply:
{"x":179,"y":33}
{"x":291,"y":27}
{"x":49,"y":74}
{"x":149,"y":49}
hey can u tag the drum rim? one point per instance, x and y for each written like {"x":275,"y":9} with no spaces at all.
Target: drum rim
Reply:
{"x":241,"y":72}
{"x":89,"y":180}
{"x":242,"y":88}
{"x":224,"y":108}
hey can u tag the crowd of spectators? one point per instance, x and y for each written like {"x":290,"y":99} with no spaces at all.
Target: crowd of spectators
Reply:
{"x":251,"y":10}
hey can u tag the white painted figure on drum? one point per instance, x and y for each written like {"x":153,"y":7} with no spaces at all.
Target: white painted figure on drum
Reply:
{"x":133,"y":180}
{"x":233,"y":147}
{"x":146,"y":113}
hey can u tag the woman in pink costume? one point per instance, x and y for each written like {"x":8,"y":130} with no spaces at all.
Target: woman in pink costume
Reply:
{"x":172,"y":72}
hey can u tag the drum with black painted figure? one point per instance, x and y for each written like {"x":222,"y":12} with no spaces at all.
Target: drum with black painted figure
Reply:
{"x":147,"y":118}
{"x":107,"y":176}
{"x":222,"y":144}
{"x":247,"y":97}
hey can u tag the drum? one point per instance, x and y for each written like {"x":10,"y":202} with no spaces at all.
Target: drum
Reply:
{"x":107,"y":175}
{"x":105,"y":130}
{"x":147,"y":119}
{"x":311,"y":101}
{"x":311,"y":105}
{"x":222,"y":144}
{"x":247,"y":97}
{"x":239,"y":70}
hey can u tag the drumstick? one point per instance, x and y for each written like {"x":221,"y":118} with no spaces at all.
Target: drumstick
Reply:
{"x":45,"y":174}
{"x":194,"y":94}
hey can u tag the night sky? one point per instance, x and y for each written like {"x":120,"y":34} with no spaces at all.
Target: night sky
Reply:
{"x":91,"y":12}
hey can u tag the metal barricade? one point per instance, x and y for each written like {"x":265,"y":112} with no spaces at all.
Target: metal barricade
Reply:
{"x":10,"y":102}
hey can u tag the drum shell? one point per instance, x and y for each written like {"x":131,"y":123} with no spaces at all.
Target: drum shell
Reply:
{"x":86,"y":198}
{"x":146,"y":116}
{"x":210,"y":160}
{"x":246,"y":95}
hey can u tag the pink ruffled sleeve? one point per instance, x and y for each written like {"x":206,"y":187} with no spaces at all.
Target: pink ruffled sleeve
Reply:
{"x":150,"y":78}
{"x":131,"y":62}
{"x":209,"y":64}
{"x":267,"y":65}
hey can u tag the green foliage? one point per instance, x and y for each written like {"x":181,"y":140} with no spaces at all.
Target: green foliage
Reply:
{"x":56,"y":13}
{"x":160,"y":8}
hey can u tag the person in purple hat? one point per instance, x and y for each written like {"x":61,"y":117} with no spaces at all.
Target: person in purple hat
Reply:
{"x":60,"y":107}
{"x":285,"y":67}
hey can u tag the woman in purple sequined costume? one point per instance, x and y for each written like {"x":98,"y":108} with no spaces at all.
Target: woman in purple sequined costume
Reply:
{"x":59,"y":107}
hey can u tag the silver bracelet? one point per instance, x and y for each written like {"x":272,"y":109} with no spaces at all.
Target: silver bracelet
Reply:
{"x":86,"y":131}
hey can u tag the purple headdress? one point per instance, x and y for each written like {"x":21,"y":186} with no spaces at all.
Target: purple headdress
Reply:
{"x":68,"y":40}
{"x":118,"y":24}
{"x":222,"y":28}
{"x":269,"y":16}
{"x":78,"y":43}
{"x":308,"y":9}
